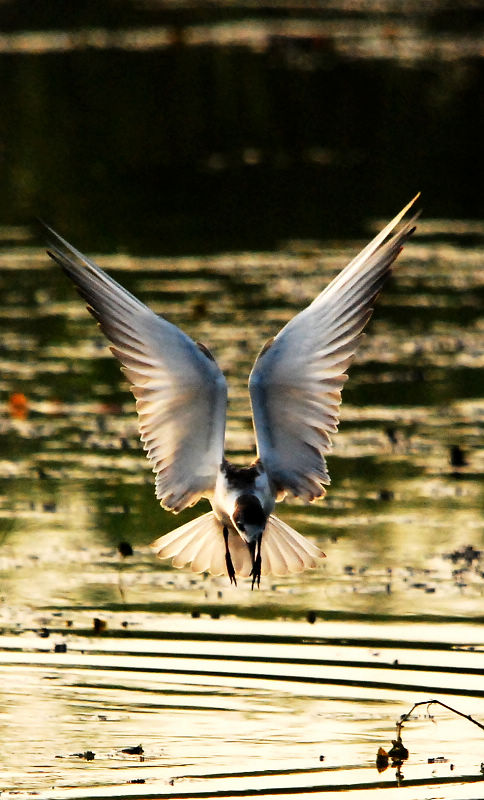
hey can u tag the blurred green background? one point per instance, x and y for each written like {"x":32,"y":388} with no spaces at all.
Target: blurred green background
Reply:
{"x":198,"y":126}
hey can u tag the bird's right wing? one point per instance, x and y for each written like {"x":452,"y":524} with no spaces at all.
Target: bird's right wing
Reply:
{"x":181,"y":394}
{"x":296,"y":382}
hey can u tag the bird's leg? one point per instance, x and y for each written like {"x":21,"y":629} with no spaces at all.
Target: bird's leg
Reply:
{"x":228,"y":558}
{"x":254,"y":548}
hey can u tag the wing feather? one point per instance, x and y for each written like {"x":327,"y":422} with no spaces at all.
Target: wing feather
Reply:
{"x":296,"y":382}
{"x":180,"y":392}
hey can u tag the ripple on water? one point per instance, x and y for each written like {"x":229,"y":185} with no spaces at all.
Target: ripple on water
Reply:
{"x":225,"y":706}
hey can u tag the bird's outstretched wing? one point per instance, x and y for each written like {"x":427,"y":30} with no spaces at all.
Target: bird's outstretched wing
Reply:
{"x":295,"y":384}
{"x":181,"y":394}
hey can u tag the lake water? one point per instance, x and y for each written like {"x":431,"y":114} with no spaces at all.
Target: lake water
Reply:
{"x":224,"y":160}
{"x":121,"y":676}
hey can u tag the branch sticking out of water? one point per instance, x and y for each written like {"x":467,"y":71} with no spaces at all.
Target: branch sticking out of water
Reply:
{"x":399,"y":753}
{"x":428,"y":703}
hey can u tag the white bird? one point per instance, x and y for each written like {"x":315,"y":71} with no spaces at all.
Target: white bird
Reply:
{"x":181,"y":399}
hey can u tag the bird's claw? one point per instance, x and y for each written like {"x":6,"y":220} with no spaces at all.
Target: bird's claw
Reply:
{"x":228,"y":559}
{"x":230,"y":568}
{"x":256,"y":570}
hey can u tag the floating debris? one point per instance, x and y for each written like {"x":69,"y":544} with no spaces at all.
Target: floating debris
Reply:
{"x":99,"y":625}
{"x":88,"y":755}
{"x":125,"y":549}
{"x":133,"y":751}
{"x":18,"y":406}
{"x":457,"y":456}
{"x":398,"y":753}
{"x":392,"y":435}
{"x":382,"y":760}
{"x":467,"y":554}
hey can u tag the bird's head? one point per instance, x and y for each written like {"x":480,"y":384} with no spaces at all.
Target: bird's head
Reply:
{"x":249,"y":518}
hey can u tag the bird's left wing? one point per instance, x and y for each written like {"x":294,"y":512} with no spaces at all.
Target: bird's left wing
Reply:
{"x":181,"y":394}
{"x":295,"y":385}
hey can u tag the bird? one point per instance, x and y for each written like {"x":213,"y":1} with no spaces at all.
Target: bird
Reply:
{"x":295,"y":392}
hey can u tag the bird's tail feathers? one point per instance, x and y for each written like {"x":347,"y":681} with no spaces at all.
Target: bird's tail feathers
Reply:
{"x":285,"y":551}
{"x":200,"y":543}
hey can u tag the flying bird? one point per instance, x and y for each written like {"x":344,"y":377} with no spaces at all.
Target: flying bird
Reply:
{"x":295,"y":392}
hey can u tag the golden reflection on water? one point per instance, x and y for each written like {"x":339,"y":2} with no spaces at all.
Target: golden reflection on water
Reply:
{"x":396,"y":508}
{"x":393,"y":615}
{"x":404,"y":40}
{"x":314,"y":723}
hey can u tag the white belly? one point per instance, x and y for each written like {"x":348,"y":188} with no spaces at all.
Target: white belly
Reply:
{"x":225,"y":496}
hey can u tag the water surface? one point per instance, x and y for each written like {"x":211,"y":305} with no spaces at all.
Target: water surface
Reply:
{"x":290,"y":689}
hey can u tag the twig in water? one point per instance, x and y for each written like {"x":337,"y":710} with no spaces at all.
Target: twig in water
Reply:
{"x":428,"y":703}
{"x":399,"y":753}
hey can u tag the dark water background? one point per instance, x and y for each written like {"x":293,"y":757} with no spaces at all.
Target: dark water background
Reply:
{"x":189,"y":127}
{"x":223,"y":162}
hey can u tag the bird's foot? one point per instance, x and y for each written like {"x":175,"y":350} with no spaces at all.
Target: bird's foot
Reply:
{"x":228,"y":559}
{"x":230,"y":568}
{"x":254,"y":549}
{"x":256,"y":570}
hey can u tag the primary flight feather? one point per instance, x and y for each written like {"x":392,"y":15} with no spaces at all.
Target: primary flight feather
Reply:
{"x":181,"y":399}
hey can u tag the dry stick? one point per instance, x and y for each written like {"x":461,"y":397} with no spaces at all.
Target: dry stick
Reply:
{"x":428,"y":703}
